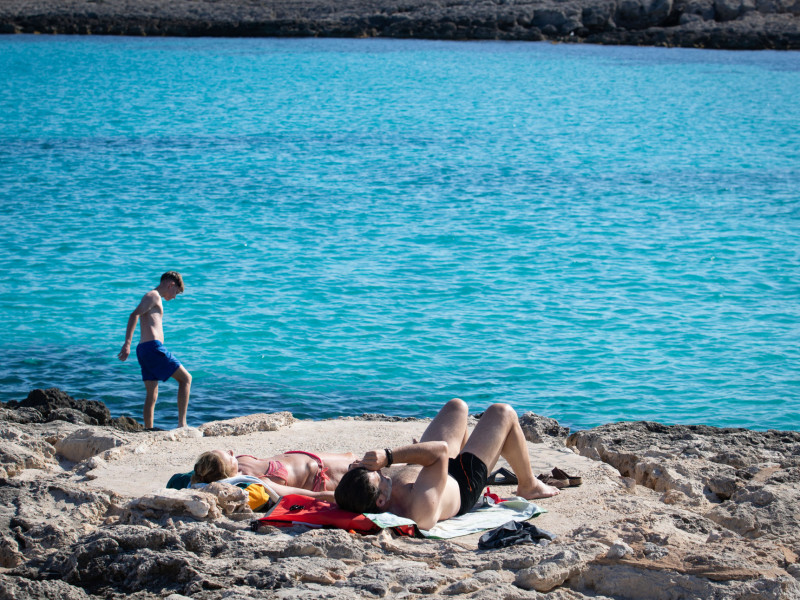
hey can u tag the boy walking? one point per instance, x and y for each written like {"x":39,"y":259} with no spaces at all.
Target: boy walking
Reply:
{"x":156,"y":361}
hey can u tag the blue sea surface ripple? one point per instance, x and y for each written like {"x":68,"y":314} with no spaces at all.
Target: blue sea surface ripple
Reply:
{"x":591,"y":233}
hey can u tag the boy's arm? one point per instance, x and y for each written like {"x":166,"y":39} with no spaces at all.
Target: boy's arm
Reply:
{"x":146,"y":303}
{"x":425,"y":503}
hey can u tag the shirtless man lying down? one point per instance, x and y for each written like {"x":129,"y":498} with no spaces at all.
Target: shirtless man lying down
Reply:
{"x":446,"y":471}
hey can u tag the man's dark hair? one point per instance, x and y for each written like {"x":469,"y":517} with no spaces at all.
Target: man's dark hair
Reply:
{"x":356,"y":492}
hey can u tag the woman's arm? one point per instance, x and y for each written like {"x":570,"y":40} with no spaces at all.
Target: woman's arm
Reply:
{"x":285,"y":490}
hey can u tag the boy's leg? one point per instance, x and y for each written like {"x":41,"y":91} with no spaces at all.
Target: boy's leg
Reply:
{"x":498,"y":434}
{"x":150,"y":402}
{"x":184,"y":379}
{"x":450,"y":425}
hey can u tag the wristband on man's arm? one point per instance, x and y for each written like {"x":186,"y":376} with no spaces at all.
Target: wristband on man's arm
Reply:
{"x":389,"y":457}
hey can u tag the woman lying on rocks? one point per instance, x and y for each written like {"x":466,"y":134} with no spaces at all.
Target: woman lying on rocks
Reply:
{"x":294,"y":472}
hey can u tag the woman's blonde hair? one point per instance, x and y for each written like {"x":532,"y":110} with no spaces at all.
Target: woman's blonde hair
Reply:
{"x":209,"y":468}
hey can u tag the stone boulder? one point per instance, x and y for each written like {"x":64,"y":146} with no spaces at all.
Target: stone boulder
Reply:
{"x":543,"y":430}
{"x":641,"y":14}
{"x":88,"y":442}
{"x":293,"y":574}
{"x":747,"y":481}
{"x":54,"y":404}
{"x":20,"y":450}
{"x":40,"y":516}
{"x":21,"y":415}
{"x":128,"y":558}
{"x":730,"y":10}
{"x":558,"y":566}
{"x":329,"y":544}
{"x":53,"y":399}
{"x":211,"y":502}
{"x":557,"y":20}
{"x":695,"y":10}
{"x":19,"y":588}
{"x":397,"y":577}
{"x":248,"y":424}
{"x":599,"y":16}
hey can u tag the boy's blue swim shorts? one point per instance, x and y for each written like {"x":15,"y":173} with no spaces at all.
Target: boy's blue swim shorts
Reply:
{"x":156,"y":361}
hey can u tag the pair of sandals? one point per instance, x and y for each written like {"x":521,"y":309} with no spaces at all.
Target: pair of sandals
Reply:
{"x":558,"y":479}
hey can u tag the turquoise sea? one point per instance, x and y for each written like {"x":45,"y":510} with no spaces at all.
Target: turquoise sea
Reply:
{"x":592,"y":233}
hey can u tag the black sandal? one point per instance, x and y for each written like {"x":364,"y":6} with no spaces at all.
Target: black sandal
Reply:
{"x":502,"y":477}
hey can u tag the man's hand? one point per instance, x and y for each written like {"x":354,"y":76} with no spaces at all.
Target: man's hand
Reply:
{"x":125,"y":352}
{"x":374,"y":460}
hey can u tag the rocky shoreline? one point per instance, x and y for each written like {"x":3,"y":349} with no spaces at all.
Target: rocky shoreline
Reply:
{"x":719,"y":24}
{"x":663,"y":512}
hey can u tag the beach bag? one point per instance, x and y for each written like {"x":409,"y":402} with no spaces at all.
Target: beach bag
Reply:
{"x":295,"y":509}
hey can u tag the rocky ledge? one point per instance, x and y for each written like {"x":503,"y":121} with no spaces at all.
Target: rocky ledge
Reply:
{"x":663,"y":512}
{"x":731,"y":24}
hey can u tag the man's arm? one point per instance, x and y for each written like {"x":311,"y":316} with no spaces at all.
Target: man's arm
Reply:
{"x":425,"y":453}
{"x":424,"y":506}
{"x":146,"y":303}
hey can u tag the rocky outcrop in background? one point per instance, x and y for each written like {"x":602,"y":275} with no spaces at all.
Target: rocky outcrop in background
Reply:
{"x":664,"y":512}
{"x":732,"y":24}
{"x":53,"y":404}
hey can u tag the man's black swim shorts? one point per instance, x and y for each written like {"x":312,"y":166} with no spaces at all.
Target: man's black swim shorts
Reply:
{"x":471,"y":473}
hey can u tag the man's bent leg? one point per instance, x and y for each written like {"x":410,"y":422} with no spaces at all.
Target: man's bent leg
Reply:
{"x":150,"y":402}
{"x":184,"y":379}
{"x":450,"y":425}
{"x":498,"y":433}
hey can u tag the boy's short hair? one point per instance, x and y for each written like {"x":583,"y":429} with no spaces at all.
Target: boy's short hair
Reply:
{"x":357,"y":493}
{"x":173,"y":276}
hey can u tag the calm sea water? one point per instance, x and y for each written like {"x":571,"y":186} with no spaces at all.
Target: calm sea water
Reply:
{"x":591,"y":233}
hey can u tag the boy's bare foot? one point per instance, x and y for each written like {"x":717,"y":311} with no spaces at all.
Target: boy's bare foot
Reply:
{"x":537,"y":490}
